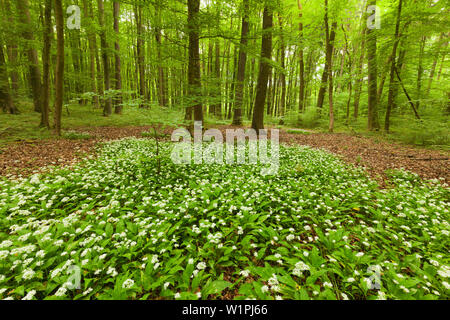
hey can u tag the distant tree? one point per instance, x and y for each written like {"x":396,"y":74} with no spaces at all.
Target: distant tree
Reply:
{"x":5,"y":94}
{"x":118,"y":63}
{"x":301,"y":98}
{"x":59,"y":74}
{"x":373,"y":123}
{"x":107,"y":109}
{"x":140,"y":51}
{"x":48,"y":34}
{"x":33,"y":58}
{"x":87,"y":7}
{"x":392,"y":79}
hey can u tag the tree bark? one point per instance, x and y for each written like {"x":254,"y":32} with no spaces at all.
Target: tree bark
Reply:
{"x":194,"y":58}
{"x":6,"y":100}
{"x":282,"y":103}
{"x":35,"y":72}
{"x":359,"y":79}
{"x":420,"y":70}
{"x":107,"y":109}
{"x":218,"y":105}
{"x":92,"y":54}
{"x":162,"y":88}
{"x":264,"y":69}
{"x":118,"y":63}
{"x":48,"y":33}
{"x":12,"y":52}
{"x":436,"y":57}
{"x":237,"y":118}
{"x":391,"y":96}
{"x":329,"y":64}
{"x":325,"y":75}
{"x":140,"y":54}
{"x":301,"y":105}
{"x":372,"y":123}
{"x":59,"y":75}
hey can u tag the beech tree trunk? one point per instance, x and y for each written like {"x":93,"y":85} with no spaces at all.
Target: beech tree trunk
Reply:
{"x":35,"y":72}
{"x":373,"y":123}
{"x":12,"y":52}
{"x":392,"y":82}
{"x":435,"y":61}
{"x":140,"y":53}
{"x":194,"y":59}
{"x":330,"y":45}
{"x":282,"y":104}
{"x":420,"y":70}
{"x":237,"y":118}
{"x":218,"y":105}
{"x":48,"y":34}
{"x":107,"y":109}
{"x":59,"y":75}
{"x":118,"y":63}
{"x":92,"y":54}
{"x":162,"y":88}
{"x":5,"y":94}
{"x":325,"y":75}
{"x":359,"y":79}
{"x":301,"y":105}
{"x":264,"y":69}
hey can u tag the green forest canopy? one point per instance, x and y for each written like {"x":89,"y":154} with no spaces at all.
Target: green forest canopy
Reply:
{"x":271,"y":61}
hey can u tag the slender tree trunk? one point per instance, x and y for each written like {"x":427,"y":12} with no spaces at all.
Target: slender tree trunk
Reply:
{"x":209,"y":76}
{"x":237,"y":119}
{"x":92,"y":54}
{"x":442,"y":66}
{"x":386,"y":66}
{"x":233,"y":84}
{"x":162,"y":88}
{"x":420,"y":70}
{"x":140,"y":54}
{"x":349,"y":76}
{"x":48,"y":34}
{"x":59,"y":81}
{"x":218,"y":105}
{"x":329,"y":64}
{"x":325,"y":75}
{"x":391,"y":96}
{"x":73,"y":36}
{"x":302,"y":105}
{"x":270,"y":90}
{"x":359,"y":77}
{"x":35,"y":72}
{"x":118,"y":63}
{"x":373,"y":123}
{"x":341,"y":72}
{"x":283,"y":66}
{"x":194,"y":58}
{"x":251,"y":93}
{"x":433,"y":68}
{"x":12,"y":52}
{"x":6,"y":100}
{"x":107,"y":110}
{"x":264,"y":69}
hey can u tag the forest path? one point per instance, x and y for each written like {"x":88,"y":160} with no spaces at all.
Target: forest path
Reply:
{"x":27,"y":157}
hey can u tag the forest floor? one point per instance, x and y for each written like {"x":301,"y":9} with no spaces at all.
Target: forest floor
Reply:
{"x":23,"y":158}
